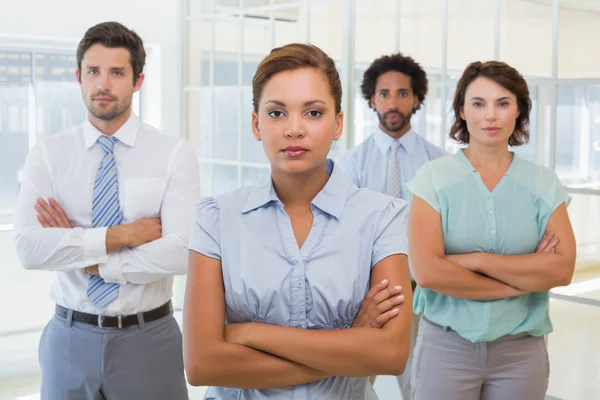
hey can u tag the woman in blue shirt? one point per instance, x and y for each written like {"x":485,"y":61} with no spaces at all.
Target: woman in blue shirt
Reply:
{"x":278,"y":271}
{"x":499,"y":237}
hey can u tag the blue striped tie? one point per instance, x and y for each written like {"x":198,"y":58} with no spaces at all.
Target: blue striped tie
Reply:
{"x":105,"y":212}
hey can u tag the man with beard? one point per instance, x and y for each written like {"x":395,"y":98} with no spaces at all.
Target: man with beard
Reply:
{"x":108,"y":205}
{"x":395,"y":87}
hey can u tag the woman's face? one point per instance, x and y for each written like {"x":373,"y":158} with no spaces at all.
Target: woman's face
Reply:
{"x":296,"y":120}
{"x":490,"y":111}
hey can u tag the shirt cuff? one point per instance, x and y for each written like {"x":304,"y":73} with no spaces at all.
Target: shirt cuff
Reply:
{"x":94,"y":245}
{"x":111,"y":270}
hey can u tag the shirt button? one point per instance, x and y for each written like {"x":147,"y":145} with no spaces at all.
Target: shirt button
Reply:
{"x":299,"y":284}
{"x":492,"y":251}
{"x":493,"y":231}
{"x":490,"y":212}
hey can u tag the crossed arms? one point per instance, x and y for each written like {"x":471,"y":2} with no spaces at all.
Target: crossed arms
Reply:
{"x":487,"y":276}
{"x":262,"y":356}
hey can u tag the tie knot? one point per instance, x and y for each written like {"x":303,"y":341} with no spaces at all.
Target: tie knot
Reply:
{"x":107,"y":143}
{"x":395,"y":145}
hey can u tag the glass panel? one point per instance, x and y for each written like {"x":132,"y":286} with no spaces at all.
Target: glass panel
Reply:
{"x":472,"y":22}
{"x":257,"y":44}
{"x":252,"y":150}
{"x":421,"y":31}
{"x":525,"y":37}
{"x":252,"y":176}
{"x":578,"y":30}
{"x":206,"y":179}
{"x":373,"y":18}
{"x":199,"y":121}
{"x":227,"y":114}
{"x":15,"y":76}
{"x":290,"y":27}
{"x":572,"y":128}
{"x":326,"y":28}
{"x":578,"y":135}
{"x":198,"y":52}
{"x":225,"y":178}
{"x":59,"y":102}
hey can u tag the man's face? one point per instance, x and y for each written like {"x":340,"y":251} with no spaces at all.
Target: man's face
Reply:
{"x":106,"y":80}
{"x":394,"y":102}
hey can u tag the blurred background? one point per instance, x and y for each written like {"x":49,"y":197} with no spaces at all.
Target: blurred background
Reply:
{"x":202,"y":55}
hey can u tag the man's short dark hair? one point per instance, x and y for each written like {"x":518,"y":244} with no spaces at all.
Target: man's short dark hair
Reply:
{"x":400,"y":63}
{"x":115,"y":35}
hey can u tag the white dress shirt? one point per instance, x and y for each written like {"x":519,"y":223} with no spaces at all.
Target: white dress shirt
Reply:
{"x":158,"y":177}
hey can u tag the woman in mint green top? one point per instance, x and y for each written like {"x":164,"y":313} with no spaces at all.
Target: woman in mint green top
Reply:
{"x":498,"y":237}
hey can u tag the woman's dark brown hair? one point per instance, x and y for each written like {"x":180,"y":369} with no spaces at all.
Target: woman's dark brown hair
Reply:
{"x":114,"y":35}
{"x":507,"y":77}
{"x":292,"y":57}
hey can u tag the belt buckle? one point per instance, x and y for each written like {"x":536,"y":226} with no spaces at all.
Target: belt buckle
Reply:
{"x":101,"y":322}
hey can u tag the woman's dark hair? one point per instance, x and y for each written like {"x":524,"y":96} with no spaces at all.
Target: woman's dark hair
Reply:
{"x":293,"y":57}
{"x":395,"y":62}
{"x":115,"y":35}
{"x":505,"y":76}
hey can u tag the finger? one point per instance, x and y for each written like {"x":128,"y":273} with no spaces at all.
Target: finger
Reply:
{"x":553,"y":250}
{"x":40,"y":207}
{"x":387,"y":305}
{"x":54,"y":218}
{"x":545,"y":241}
{"x":385,"y":317}
{"x":378,"y":287}
{"x":551,"y":245}
{"x":61,"y":214}
{"x":387,"y":293}
{"x":43,"y":221}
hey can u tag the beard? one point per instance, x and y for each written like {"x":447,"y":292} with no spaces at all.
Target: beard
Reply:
{"x":397,"y":126}
{"x":110,"y":111}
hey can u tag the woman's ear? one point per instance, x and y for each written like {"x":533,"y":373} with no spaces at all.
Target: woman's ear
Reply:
{"x":255,"y":129}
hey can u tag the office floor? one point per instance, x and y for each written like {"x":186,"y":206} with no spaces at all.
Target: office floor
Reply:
{"x":574,"y":349}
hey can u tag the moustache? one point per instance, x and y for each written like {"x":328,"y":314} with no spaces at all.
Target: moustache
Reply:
{"x":105,"y":95}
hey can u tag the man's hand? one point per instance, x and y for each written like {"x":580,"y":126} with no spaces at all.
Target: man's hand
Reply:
{"x":547,"y":244}
{"x":93,"y":270}
{"x":379,"y":306}
{"x":51,"y":215}
{"x":134,"y":234}
{"x":143,"y":231}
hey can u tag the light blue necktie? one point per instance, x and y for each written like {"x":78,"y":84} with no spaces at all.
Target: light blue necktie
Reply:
{"x":394,"y":187}
{"x":106,"y":211}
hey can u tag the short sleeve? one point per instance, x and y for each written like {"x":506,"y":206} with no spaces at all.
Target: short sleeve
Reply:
{"x":554,"y":195}
{"x":204,"y":235}
{"x":391,"y":232}
{"x":422,"y":186}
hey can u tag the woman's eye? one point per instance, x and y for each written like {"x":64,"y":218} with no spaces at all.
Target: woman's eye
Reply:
{"x":314,"y":113}
{"x":275,"y":113}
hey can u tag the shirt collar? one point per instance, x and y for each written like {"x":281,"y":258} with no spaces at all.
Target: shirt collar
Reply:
{"x":384,"y":141}
{"x":331,"y":199}
{"x":126,"y":134}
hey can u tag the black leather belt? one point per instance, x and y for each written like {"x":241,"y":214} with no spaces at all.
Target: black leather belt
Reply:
{"x":118,"y":322}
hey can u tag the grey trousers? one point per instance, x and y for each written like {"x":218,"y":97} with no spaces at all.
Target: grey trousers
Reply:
{"x":447,"y":366}
{"x":84,"y":362}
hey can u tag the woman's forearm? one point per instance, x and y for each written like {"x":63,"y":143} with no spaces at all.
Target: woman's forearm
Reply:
{"x":451,"y":279}
{"x":343,"y":352}
{"x":236,"y":366}
{"x":537,"y":272}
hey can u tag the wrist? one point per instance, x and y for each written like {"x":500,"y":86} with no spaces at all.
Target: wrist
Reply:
{"x":117,"y":237}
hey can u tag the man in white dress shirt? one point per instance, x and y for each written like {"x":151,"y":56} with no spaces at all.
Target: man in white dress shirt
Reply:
{"x":108,"y":206}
